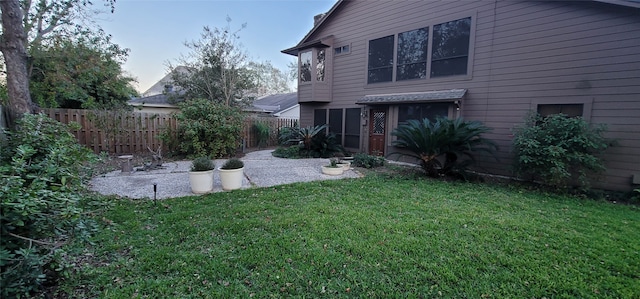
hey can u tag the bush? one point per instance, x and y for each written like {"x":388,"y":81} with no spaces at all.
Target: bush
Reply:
{"x":443,"y":146}
{"x":206,"y":128}
{"x":288,"y":136}
{"x":202,"y":164}
{"x":367,"y":161}
{"x":558,"y":150}
{"x":290,"y":152}
{"x":233,"y":163}
{"x":41,"y":179}
{"x":262,"y":131}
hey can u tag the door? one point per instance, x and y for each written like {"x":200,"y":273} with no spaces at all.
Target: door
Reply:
{"x":377,"y":121}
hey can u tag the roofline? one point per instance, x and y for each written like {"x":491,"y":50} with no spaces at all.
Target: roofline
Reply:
{"x":628,"y":3}
{"x":285,"y":110}
{"x":313,"y":30}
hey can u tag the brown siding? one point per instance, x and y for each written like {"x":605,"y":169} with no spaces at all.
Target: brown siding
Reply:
{"x":524,"y":53}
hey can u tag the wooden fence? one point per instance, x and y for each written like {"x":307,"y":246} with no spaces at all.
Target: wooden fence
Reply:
{"x":135,"y":132}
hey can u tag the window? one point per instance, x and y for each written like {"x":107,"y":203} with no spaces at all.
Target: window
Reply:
{"x":421,"y":111}
{"x":342,"y":50}
{"x":571,"y":110}
{"x":449,"y":53}
{"x":450,"y":50}
{"x":335,"y":123}
{"x":381,"y":59}
{"x":412,"y":54}
{"x":352,"y":128}
{"x":319,"y":117}
{"x":305,"y":66}
{"x":347,"y":135}
{"x":320,"y":59}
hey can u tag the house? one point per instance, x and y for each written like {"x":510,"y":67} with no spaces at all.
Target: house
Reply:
{"x":158,"y":103}
{"x":283,"y":105}
{"x":366,"y":66}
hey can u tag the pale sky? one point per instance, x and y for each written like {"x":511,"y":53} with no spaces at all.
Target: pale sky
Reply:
{"x":155,"y":30}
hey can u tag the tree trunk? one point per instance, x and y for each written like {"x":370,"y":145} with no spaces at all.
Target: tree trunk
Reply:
{"x":12,"y":45}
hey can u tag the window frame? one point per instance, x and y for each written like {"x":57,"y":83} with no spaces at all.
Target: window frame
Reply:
{"x":430,"y":24}
{"x":587,"y":105}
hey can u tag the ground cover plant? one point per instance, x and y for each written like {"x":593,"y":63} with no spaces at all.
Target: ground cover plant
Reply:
{"x":377,"y":236}
{"x":307,"y":142}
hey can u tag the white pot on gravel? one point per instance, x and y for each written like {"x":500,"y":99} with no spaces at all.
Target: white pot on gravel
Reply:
{"x":201,"y":181}
{"x":231,"y":174}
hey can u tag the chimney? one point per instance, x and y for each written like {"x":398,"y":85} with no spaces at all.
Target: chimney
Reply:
{"x":317,"y":18}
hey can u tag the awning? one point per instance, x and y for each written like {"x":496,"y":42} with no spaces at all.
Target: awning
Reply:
{"x":449,"y":95}
{"x":324,"y":42}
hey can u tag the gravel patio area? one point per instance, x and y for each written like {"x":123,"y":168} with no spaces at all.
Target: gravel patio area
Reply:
{"x":261,"y":170}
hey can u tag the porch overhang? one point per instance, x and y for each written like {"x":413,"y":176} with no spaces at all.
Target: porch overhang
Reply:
{"x":449,"y":95}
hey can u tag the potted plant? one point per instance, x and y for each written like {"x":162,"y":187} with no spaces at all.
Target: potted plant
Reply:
{"x":346,"y":165}
{"x":232,"y":174}
{"x":201,"y":175}
{"x":333,"y":168}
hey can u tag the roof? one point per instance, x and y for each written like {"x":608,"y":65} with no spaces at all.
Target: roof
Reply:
{"x":275,"y":103}
{"x":448,"y":95}
{"x":160,"y":86}
{"x":158,"y":100}
{"x":305,"y":43}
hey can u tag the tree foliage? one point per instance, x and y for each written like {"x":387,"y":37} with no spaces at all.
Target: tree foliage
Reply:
{"x":559,"y":150}
{"x":82,"y":73}
{"x":268,"y":79}
{"x":217,"y":68}
{"x":443,"y":146}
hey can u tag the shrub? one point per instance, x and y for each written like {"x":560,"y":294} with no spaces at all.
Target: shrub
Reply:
{"x":262,"y":131}
{"x":367,"y":161}
{"x":206,"y":128}
{"x":443,"y":146}
{"x":288,"y":136}
{"x":558,"y":150}
{"x":41,"y":206}
{"x":233,"y":163}
{"x":290,"y":152}
{"x":311,"y":141}
{"x":202,"y":164}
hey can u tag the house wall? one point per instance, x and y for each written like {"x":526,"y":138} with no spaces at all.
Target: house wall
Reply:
{"x":523,"y":53}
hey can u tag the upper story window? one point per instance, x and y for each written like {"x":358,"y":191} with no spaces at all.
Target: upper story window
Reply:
{"x":381,"y":59}
{"x":450,"y":50}
{"x":410,"y":57}
{"x":412,"y":54}
{"x":342,"y":50}
{"x":320,"y":63}
{"x":570,"y":110}
{"x":305,"y":66}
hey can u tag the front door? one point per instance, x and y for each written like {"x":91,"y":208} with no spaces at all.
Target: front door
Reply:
{"x":377,"y":121}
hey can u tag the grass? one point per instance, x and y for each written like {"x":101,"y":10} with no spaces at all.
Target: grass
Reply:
{"x":371,"y":237}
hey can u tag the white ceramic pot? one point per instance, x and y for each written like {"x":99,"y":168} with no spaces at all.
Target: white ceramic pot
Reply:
{"x":345,"y":164}
{"x":332,"y":170}
{"x":231,"y":178}
{"x":201,"y":181}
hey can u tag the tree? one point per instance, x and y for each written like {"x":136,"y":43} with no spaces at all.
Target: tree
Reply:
{"x":268,"y":79}
{"x":25,"y":25}
{"x":13,"y":47}
{"x":217,"y":68}
{"x":83,"y":73}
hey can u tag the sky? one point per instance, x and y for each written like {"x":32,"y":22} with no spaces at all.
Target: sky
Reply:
{"x":155,"y":30}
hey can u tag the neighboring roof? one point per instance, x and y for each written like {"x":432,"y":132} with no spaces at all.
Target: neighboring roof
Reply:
{"x":159,"y":100}
{"x":159,"y":87}
{"x":294,"y":50}
{"x":415,"y":97}
{"x":275,"y":103}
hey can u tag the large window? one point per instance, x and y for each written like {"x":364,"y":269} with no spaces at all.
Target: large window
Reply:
{"x":450,"y":50}
{"x":320,"y":60}
{"x":319,"y":117}
{"x":408,"y":58}
{"x":421,"y":111}
{"x":352,"y":128}
{"x":412,"y":54}
{"x":381,"y":59}
{"x":335,"y":123}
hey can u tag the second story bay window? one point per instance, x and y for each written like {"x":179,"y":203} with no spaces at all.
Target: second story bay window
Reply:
{"x":312,"y":65}
{"x":305,"y":66}
{"x":406,"y":55}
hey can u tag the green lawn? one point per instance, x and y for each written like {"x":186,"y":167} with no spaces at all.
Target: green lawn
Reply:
{"x":371,"y":237}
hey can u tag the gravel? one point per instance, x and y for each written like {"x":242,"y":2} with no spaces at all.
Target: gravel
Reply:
{"x":261,"y":170}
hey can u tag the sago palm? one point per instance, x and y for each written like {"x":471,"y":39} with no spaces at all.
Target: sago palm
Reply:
{"x":443,"y":146}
